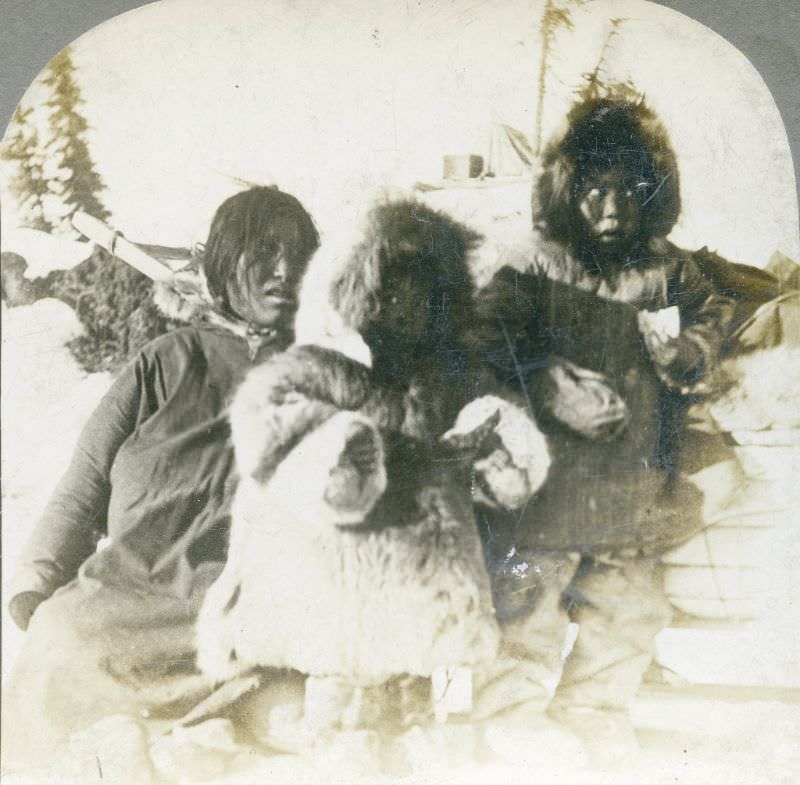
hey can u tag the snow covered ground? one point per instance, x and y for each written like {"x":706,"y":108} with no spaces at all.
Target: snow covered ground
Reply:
{"x":688,"y":739}
{"x":46,"y":397}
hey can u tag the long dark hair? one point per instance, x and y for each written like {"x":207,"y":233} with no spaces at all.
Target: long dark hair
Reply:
{"x":262,"y":222}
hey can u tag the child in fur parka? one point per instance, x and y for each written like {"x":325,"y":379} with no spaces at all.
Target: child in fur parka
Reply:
{"x":380,"y":531}
{"x":604,"y":324}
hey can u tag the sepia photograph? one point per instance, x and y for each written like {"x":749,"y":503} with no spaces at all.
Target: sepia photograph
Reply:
{"x":400,"y":393}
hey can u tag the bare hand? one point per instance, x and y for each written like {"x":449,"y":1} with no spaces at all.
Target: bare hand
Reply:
{"x":662,"y":349}
{"x":498,"y":480}
{"x":23,"y":606}
{"x":660,"y":331}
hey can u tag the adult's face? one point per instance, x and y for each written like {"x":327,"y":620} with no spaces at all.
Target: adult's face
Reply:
{"x":609,"y":210}
{"x":264,"y":292}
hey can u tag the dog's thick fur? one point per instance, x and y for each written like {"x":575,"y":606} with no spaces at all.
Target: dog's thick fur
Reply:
{"x":761,"y":391}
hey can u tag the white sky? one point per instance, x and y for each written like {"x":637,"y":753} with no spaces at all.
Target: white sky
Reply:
{"x":333,"y":100}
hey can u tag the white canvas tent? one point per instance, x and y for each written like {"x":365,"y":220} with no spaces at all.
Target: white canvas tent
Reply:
{"x":506,"y":152}
{"x":506,"y":156}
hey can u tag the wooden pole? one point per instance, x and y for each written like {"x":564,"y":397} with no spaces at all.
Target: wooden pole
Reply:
{"x":113,"y":242}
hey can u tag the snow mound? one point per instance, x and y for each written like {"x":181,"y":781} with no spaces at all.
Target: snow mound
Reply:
{"x":46,"y":398}
{"x":45,"y":252}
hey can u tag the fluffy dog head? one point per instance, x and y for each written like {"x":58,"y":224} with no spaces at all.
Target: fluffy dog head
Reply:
{"x":406,"y":286}
{"x":760,"y":391}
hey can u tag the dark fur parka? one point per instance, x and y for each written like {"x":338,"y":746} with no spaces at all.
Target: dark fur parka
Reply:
{"x":555,"y":306}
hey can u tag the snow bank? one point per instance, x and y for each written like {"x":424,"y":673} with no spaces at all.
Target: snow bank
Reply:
{"x":46,"y":398}
{"x":45,"y":252}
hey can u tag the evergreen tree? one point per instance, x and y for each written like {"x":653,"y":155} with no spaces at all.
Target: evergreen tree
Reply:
{"x":595,"y":83}
{"x":555,"y":16}
{"x":50,"y":183}
{"x":27,"y":182}
{"x":75,"y":181}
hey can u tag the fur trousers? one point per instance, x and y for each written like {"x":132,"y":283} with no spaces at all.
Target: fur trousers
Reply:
{"x":619,"y":606}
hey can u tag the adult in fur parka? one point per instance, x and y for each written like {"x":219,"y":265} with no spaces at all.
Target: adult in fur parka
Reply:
{"x":354,"y":551}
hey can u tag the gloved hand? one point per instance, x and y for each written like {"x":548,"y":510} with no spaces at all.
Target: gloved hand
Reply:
{"x":513,"y":459}
{"x":584,"y":401}
{"x":23,"y":605}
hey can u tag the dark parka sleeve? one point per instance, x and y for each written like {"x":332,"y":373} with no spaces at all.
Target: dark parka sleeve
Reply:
{"x":65,"y":534}
{"x":706,"y":321}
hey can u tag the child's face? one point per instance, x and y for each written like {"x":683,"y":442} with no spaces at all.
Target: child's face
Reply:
{"x":608,"y":209}
{"x":264,"y":292}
